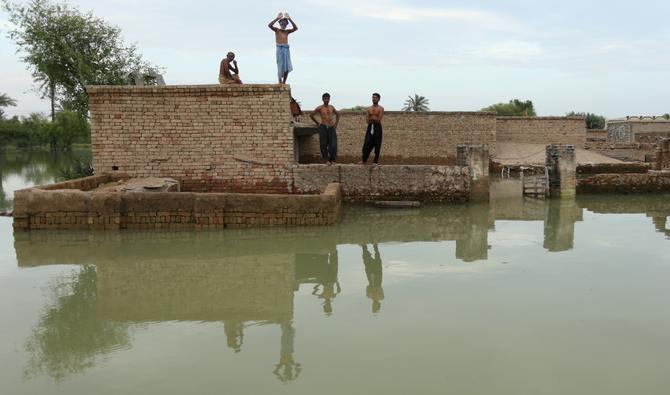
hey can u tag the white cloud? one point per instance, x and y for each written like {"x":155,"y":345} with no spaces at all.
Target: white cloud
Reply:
{"x":393,"y":11}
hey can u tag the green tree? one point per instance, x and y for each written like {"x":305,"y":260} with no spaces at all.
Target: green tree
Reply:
{"x":5,"y":101}
{"x":354,"y":109}
{"x":417,"y":103}
{"x":593,"y":121}
{"x":67,"y":50}
{"x":514,"y":107}
{"x":666,"y":116}
{"x":68,"y":128}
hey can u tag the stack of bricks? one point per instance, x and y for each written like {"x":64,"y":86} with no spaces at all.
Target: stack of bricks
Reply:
{"x":663,"y":155}
{"x":541,"y":130}
{"x":410,"y":137}
{"x":210,"y":138}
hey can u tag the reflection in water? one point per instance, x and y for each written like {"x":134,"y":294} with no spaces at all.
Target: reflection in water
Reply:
{"x":69,"y":336}
{"x":373,"y":271}
{"x":321,"y":270}
{"x":287,"y":369}
{"x":249,"y":277}
{"x":559,"y":224}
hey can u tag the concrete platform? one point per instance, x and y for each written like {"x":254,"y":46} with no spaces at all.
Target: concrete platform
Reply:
{"x":519,"y":154}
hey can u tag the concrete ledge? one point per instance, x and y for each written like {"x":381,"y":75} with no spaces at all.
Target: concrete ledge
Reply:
{"x":371,"y":183}
{"x":625,"y":183}
{"x":44,"y":208}
{"x":613,"y":168}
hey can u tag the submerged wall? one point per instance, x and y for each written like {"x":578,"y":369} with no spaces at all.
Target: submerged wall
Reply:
{"x":409,"y":137}
{"x":70,"y":208}
{"x":541,"y":130}
{"x":210,"y":138}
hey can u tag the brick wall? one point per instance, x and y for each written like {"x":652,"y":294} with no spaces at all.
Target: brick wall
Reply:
{"x":541,"y":130}
{"x":210,"y":138}
{"x":623,"y":151}
{"x":393,"y":182}
{"x":625,"y":183}
{"x":39,"y":209}
{"x":639,"y":131}
{"x":409,"y":138}
{"x":663,"y":155}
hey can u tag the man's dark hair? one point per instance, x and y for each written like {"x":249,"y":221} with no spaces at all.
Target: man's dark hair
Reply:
{"x":377,"y":94}
{"x":325,"y":95}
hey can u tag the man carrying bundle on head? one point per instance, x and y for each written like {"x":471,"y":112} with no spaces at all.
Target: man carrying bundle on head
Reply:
{"x":284,"y":65}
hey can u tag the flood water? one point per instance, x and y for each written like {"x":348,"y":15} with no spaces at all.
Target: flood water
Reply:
{"x":514,"y":297}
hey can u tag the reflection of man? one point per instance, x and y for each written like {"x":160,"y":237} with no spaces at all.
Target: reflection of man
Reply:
{"x":234,"y":334}
{"x":287,"y":369}
{"x":373,"y":270}
{"x":229,"y":73}
{"x":329,"y":284}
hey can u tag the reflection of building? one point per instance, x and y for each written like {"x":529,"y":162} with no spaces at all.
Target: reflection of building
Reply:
{"x":249,"y":277}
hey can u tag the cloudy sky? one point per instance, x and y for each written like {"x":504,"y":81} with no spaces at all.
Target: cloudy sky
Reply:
{"x":610,"y":58}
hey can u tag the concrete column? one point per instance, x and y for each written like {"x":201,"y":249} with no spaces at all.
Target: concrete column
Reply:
{"x":476,"y":157}
{"x":561,"y":164}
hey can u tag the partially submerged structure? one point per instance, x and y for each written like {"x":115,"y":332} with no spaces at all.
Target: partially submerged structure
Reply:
{"x":239,"y":161}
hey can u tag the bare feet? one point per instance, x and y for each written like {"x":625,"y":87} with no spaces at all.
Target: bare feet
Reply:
{"x":361,"y":163}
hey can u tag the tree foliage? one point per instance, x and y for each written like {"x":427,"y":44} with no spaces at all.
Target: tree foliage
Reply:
{"x":5,"y":101}
{"x":67,"y":50}
{"x":593,"y":121}
{"x":666,"y":116}
{"x":514,"y":107}
{"x":36,"y":130}
{"x":417,"y":103}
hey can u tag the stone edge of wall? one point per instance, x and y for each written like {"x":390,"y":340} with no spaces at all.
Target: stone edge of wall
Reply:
{"x":362,"y":184}
{"x":63,"y":206}
{"x":654,"y":181}
{"x":102,"y":89}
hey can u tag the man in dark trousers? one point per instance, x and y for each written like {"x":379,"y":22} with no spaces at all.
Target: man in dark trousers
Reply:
{"x":327,"y":129}
{"x":373,"y":134}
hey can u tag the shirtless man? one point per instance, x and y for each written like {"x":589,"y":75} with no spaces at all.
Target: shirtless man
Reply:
{"x":327,"y":129}
{"x":373,"y":134}
{"x":284,"y":65}
{"x":228,"y":65}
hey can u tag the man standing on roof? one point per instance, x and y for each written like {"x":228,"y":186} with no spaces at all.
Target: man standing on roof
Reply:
{"x":284,"y":65}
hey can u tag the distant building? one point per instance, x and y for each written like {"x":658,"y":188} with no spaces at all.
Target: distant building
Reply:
{"x":641,"y":129}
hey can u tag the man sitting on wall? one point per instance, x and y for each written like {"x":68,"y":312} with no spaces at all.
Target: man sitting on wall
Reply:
{"x":229,"y":73}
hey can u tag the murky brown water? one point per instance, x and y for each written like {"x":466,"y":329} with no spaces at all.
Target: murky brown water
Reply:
{"x":515,"y":297}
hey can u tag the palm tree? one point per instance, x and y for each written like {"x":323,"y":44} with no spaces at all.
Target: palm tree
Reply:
{"x":6,"y":101}
{"x":416,"y":103}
